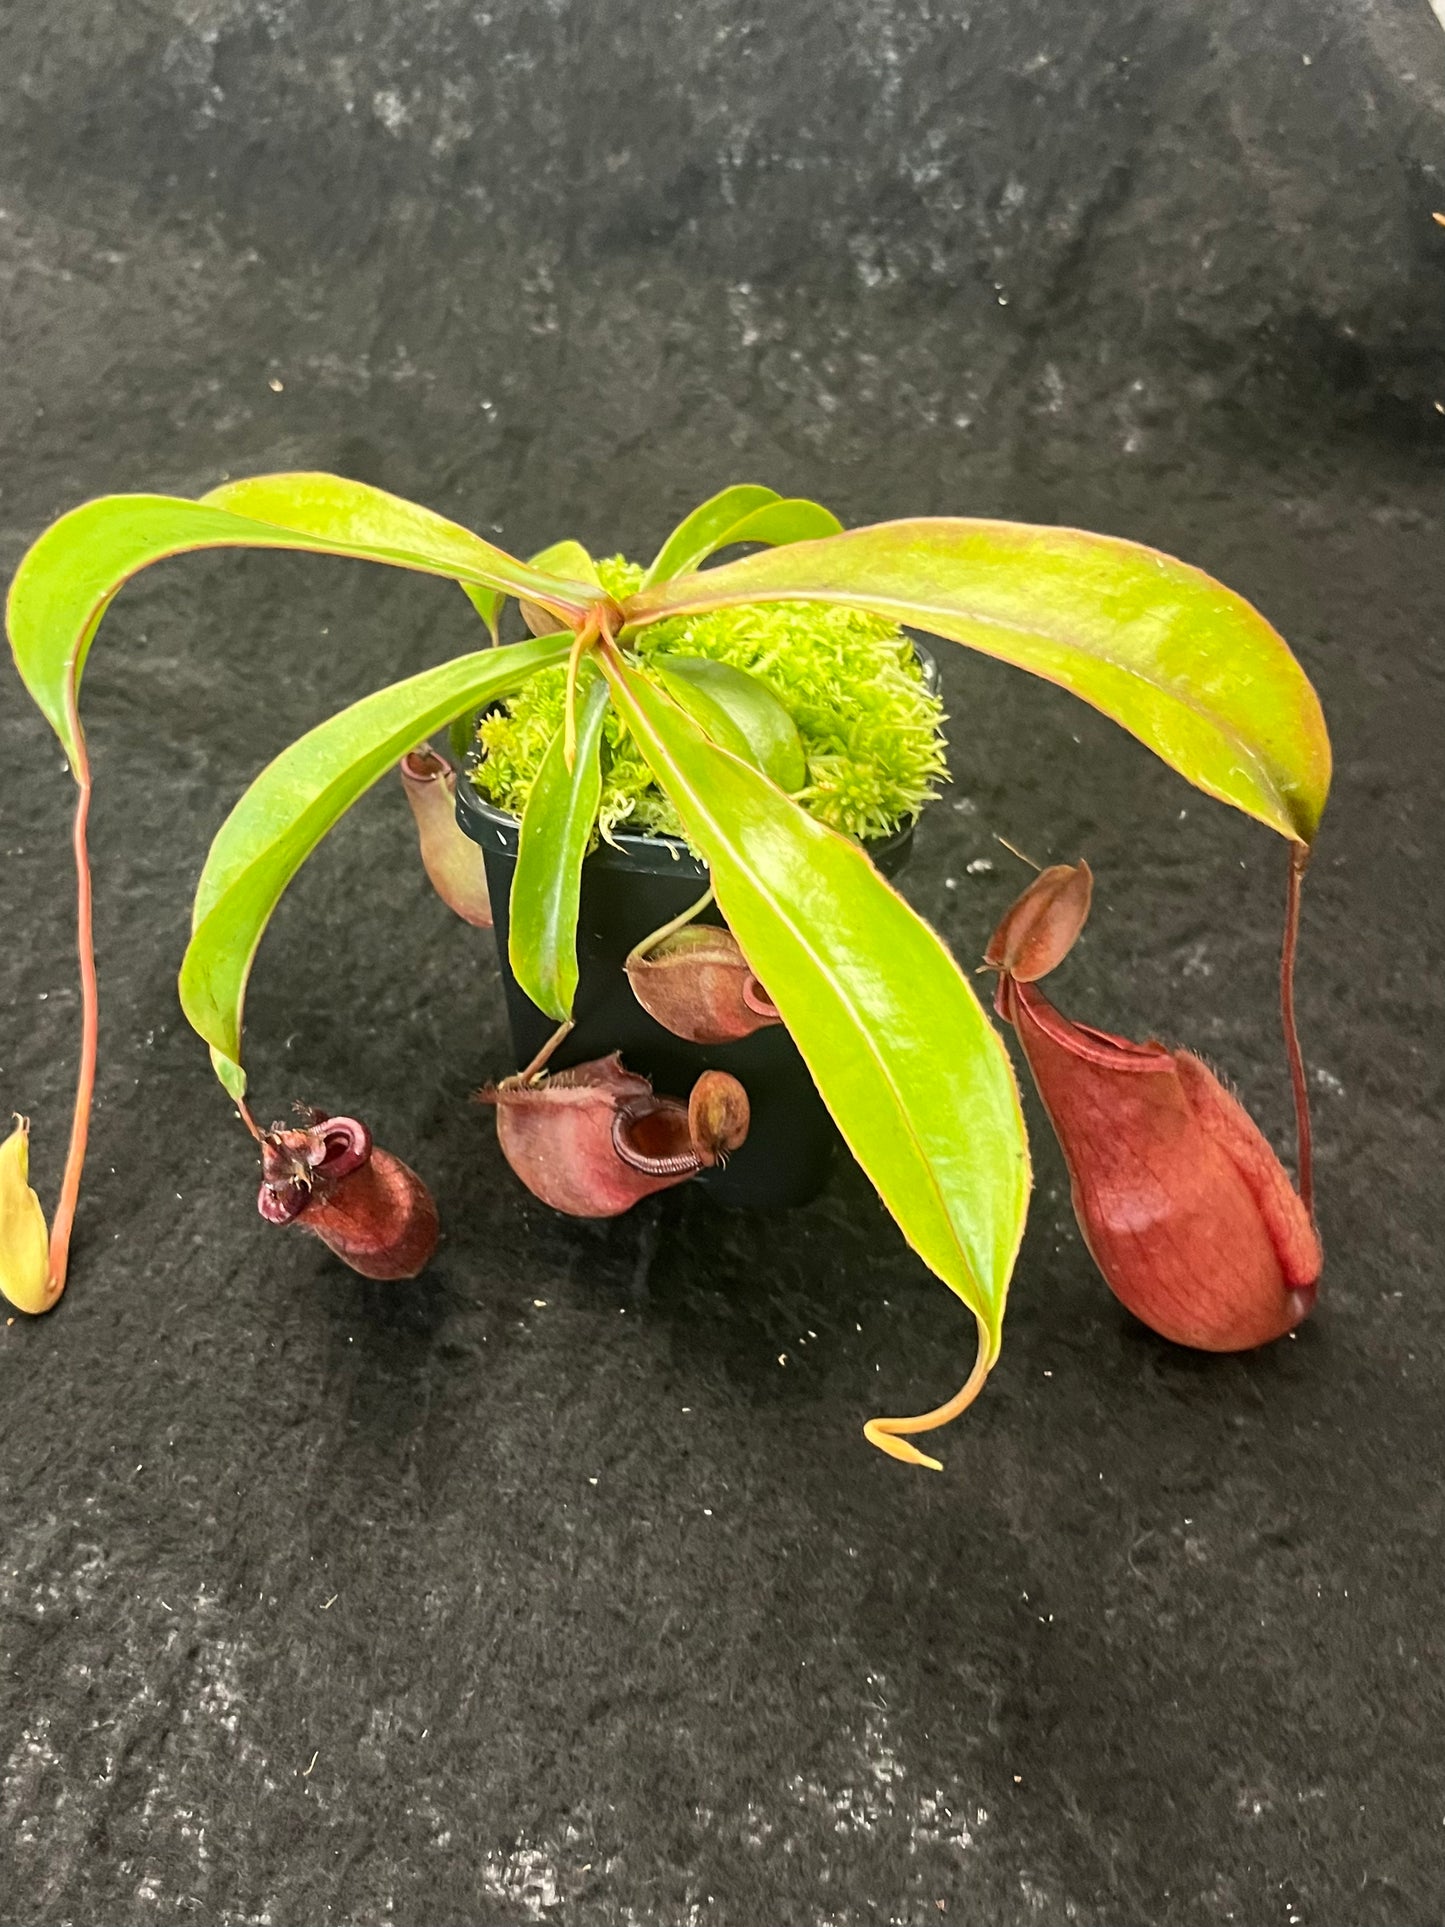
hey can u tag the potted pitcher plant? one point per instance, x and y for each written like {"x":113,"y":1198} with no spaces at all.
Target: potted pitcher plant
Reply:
{"x":680,"y":799}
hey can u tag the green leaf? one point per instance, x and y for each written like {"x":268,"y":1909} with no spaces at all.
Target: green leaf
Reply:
{"x":567,"y":555}
{"x":1176,"y":658}
{"x":462,"y":736}
{"x":747,"y":513}
{"x":547,"y":885}
{"x":794,"y":519}
{"x":68,"y":579}
{"x":737,"y":711}
{"x":232,"y":1078}
{"x":567,"y":558}
{"x":295,"y":801}
{"x":488,"y":605}
{"x":696,"y":535}
{"x":912,"y":1071}
{"x":365,"y":520}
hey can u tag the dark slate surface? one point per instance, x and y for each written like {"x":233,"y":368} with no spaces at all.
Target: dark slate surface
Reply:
{"x":540,"y":1589}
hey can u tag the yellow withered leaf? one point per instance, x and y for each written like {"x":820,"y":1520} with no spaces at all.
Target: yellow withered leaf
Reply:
{"x":24,"y":1241}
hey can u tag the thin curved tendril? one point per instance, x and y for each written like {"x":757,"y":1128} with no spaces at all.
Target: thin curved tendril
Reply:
{"x":649,"y":943}
{"x":539,"y":1063}
{"x":1304,"y":1135}
{"x":888,"y":1433}
{"x":89,"y":1019}
{"x":1014,"y":850}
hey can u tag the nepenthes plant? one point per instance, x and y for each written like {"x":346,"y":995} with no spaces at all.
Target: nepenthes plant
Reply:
{"x":815,"y":939}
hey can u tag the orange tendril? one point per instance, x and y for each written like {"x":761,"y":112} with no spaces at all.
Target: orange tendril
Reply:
{"x":890,"y":1435}
{"x":1304,"y":1135}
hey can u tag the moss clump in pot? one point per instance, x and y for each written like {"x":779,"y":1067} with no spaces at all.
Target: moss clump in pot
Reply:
{"x":870,"y":728}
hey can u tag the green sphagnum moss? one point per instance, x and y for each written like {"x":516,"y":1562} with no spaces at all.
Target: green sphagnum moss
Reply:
{"x":850,"y":681}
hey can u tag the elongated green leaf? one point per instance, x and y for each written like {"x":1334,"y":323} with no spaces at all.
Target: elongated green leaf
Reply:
{"x":488,"y":605}
{"x":462,"y":735}
{"x":774,"y":522}
{"x":68,"y":579}
{"x":567,"y":558}
{"x":738,"y":711}
{"x":1185,"y":664}
{"x":696,"y":535}
{"x":366,"y":520}
{"x":295,"y":801}
{"x":914,"y":1074}
{"x":794,"y":519}
{"x":547,"y":885}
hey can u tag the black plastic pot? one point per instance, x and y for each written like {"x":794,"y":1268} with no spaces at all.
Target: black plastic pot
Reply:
{"x":629,"y":888}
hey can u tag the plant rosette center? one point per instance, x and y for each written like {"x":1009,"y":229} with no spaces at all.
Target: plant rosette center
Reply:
{"x":870,"y":727}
